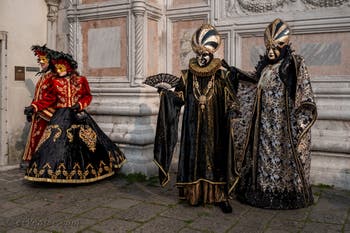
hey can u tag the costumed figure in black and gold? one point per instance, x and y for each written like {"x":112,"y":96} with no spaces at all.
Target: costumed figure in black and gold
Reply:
{"x":208,"y":94}
{"x":73,"y":149}
{"x":39,"y":112}
{"x":275,"y":134}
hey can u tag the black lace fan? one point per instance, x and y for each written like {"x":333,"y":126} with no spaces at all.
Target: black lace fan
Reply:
{"x":162,"y":80}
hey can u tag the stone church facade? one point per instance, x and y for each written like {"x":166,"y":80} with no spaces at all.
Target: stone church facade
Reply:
{"x":118,"y":43}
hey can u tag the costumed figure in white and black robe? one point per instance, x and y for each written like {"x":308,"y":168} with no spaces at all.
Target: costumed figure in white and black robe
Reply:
{"x":273,"y":137}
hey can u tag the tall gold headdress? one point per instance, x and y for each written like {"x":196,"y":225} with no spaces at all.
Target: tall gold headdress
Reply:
{"x":206,"y":38}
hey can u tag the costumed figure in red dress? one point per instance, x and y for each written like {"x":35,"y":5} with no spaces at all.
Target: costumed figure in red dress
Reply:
{"x":207,"y":92}
{"x":39,"y":112}
{"x":73,"y":149}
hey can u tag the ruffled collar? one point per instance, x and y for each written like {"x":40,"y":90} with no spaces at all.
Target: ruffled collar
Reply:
{"x":208,"y":70}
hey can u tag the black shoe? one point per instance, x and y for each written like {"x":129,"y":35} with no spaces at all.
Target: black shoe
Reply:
{"x":225,"y":207}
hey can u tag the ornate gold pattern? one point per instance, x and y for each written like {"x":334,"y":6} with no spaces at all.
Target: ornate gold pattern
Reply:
{"x":47,"y":134}
{"x":69,"y":132}
{"x":205,"y":71}
{"x":89,"y":136}
{"x":203,"y":97}
{"x":76,"y":175}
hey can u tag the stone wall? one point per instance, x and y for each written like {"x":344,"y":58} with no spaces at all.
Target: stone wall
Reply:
{"x":119,"y":43}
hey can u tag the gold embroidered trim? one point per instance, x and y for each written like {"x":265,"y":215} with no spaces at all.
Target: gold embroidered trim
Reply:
{"x":197,"y":181}
{"x":47,"y":134}
{"x":166,"y":174}
{"x":69,"y":132}
{"x":87,"y":135}
{"x":208,"y":70}
{"x":61,"y":170}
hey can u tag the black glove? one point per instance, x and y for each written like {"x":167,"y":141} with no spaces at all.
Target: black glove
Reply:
{"x":76,"y":107}
{"x":284,"y":67}
{"x":29,"y":110}
{"x":29,"y":118}
{"x":232,"y":69}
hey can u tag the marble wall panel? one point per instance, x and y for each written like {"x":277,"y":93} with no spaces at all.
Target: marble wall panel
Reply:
{"x":92,"y":1}
{"x":181,"y":48}
{"x":104,"y":47}
{"x":325,"y":54}
{"x":153,"y":48}
{"x":184,"y":3}
{"x":155,"y":2}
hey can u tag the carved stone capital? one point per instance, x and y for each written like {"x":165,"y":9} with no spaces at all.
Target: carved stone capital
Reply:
{"x":52,"y":6}
{"x":139,"y":7}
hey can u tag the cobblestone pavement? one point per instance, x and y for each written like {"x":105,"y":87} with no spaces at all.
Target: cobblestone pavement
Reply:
{"x":120,"y":204}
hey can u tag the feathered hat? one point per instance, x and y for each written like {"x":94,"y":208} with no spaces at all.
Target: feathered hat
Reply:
{"x":64,"y":61}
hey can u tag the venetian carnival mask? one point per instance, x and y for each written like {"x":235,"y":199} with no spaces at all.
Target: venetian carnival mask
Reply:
{"x":61,"y":70}
{"x":205,"y":41}
{"x":276,"y":38}
{"x":64,"y":64}
{"x":62,"y":67}
{"x":42,"y":55}
{"x":44,"y":62}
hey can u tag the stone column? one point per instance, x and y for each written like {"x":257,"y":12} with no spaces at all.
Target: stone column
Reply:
{"x":52,"y":15}
{"x":138,"y":8}
{"x":4,"y":153}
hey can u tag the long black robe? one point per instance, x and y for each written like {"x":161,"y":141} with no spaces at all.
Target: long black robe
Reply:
{"x":205,"y":173}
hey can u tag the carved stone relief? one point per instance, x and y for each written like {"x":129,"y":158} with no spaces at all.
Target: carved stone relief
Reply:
{"x":52,"y":6}
{"x":326,"y":3}
{"x":249,"y":7}
{"x":185,"y":49}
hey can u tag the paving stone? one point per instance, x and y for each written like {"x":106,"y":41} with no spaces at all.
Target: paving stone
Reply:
{"x":222,"y":223}
{"x":114,"y":225}
{"x":115,"y":205}
{"x":100,"y":213}
{"x":142,"y":212}
{"x":5,"y":205}
{"x":12,"y":212}
{"x":19,"y":230}
{"x":321,"y":228}
{"x":347,"y":228}
{"x":120,"y":203}
{"x":297,"y":215}
{"x":287,"y":225}
{"x":161,"y":225}
{"x":71,"y":225}
{"x":239,"y":208}
{"x":245,"y":229}
{"x":37,"y":220}
{"x":183,"y":212}
{"x":188,"y":230}
{"x":257,"y":217}
{"x":337,"y":216}
{"x":333,"y":199}
{"x":80,"y":207}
